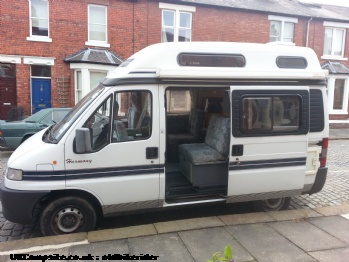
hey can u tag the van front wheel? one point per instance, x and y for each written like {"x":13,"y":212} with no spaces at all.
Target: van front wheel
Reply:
{"x":274,"y":204}
{"x":67,"y":215}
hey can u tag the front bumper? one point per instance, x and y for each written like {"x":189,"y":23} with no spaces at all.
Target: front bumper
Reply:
{"x":18,"y":205}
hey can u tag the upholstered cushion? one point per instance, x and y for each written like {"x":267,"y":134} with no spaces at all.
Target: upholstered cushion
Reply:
{"x":218,"y":134}
{"x":176,"y":139}
{"x":196,"y":122}
{"x":177,"y":123}
{"x":199,"y":154}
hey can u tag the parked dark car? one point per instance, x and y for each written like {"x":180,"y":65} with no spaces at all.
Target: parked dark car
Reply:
{"x":13,"y":133}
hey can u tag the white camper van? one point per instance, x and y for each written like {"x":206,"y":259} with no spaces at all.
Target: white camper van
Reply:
{"x":178,"y":124}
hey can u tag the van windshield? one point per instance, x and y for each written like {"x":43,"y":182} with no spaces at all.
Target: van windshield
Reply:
{"x":55,"y":132}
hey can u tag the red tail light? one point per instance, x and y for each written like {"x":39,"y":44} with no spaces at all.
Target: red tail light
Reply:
{"x":323,"y":157}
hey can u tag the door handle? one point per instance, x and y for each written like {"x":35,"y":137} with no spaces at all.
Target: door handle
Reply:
{"x":237,"y":150}
{"x":152,"y":152}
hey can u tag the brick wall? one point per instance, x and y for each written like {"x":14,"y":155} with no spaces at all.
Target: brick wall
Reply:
{"x":131,"y":27}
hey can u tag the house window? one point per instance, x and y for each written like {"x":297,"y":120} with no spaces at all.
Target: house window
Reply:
{"x":282,"y":29}
{"x":97,"y":26}
{"x":95,"y":78}
{"x":338,"y":92}
{"x":40,"y":71}
{"x":39,"y":20}
{"x":78,"y":89}
{"x":176,"y":23}
{"x":87,"y":77}
{"x":334,"y":42}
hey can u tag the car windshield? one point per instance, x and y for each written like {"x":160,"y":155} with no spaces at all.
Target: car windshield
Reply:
{"x":55,"y":132}
{"x":37,"y":116}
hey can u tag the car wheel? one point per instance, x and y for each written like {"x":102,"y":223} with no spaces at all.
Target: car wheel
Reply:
{"x":67,"y":215}
{"x":274,"y":204}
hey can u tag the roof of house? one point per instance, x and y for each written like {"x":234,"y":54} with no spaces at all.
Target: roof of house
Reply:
{"x":335,"y":67}
{"x":282,"y":7}
{"x":95,"y":56}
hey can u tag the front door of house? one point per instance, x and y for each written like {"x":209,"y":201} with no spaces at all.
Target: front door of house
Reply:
{"x":41,"y":94}
{"x":7,"y":96}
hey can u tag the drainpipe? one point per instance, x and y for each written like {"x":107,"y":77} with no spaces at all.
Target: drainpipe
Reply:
{"x":308,"y":25}
{"x":133,"y":26}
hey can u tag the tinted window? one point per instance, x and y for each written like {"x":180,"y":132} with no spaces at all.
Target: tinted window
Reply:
{"x":211,"y":60}
{"x":271,"y":114}
{"x":291,"y":62}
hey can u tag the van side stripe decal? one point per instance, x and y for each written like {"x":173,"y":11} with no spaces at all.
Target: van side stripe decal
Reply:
{"x":243,"y":165}
{"x":92,"y":173}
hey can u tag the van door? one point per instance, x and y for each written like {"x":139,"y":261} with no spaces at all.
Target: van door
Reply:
{"x":269,"y":142}
{"x":122,"y":170}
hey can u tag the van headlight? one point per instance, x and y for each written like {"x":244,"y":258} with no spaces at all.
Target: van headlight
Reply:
{"x":14,"y":174}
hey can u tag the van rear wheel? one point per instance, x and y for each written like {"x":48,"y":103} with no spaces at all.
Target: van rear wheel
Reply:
{"x":274,"y":204}
{"x":67,"y":215}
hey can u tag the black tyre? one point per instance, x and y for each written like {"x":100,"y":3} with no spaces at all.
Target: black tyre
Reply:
{"x":274,"y":204}
{"x":67,"y":215}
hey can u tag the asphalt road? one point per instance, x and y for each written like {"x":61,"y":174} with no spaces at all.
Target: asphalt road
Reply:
{"x":335,"y":192}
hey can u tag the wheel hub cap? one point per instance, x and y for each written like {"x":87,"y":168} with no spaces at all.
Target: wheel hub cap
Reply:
{"x":68,"y":219}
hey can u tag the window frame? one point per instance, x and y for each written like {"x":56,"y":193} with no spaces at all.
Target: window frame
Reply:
{"x":117,"y":96}
{"x":333,"y":42}
{"x":239,"y":95}
{"x":39,"y":38}
{"x":283,"y":21}
{"x":100,"y":43}
{"x":331,"y":90}
{"x":177,"y":10}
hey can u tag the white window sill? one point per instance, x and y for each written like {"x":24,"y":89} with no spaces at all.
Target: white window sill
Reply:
{"x":39,"y":39}
{"x":339,"y":112}
{"x":95,"y":43}
{"x":330,"y":57}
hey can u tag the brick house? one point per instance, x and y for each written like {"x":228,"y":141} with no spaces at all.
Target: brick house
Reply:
{"x":53,"y":52}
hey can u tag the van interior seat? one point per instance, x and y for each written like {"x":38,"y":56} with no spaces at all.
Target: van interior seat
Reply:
{"x":205,"y":164}
{"x":184,"y":130}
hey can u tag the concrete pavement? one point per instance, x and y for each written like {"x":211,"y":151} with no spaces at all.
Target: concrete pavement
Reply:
{"x":320,"y":234}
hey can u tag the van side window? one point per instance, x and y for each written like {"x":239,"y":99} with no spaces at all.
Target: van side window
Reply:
{"x":271,"y":114}
{"x":98,"y":123}
{"x":132,"y":116}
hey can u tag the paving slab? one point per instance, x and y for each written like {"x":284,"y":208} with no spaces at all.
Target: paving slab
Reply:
{"x":188,"y":224}
{"x":120,"y":233}
{"x":337,"y":226}
{"x":266,"y":244}
{"x":307,"y":236}
{"x":169,"y":247}
{"x":248,"y":218}
{"x":53,"y":254}
{"x":115,"y":248}
{"x":298,"y":214}
{"x":333,"y":210}
{"x":339,"y":254}
{"x":203,"y":243}
{"x":42,"y":242}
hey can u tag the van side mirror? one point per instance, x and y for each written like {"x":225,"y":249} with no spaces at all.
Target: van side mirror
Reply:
{"x":83,"y":140}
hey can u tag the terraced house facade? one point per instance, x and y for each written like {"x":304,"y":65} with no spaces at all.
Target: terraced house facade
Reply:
{"x":53,"y":52}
